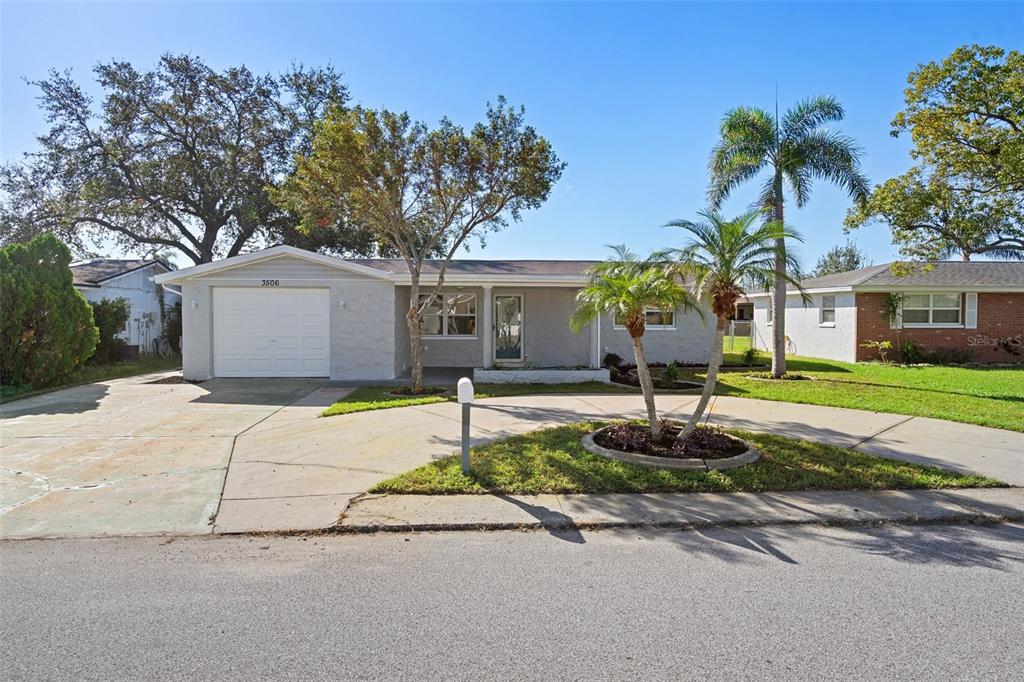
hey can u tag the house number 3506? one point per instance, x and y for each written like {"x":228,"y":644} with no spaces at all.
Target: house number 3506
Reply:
{"x":270,"y":282}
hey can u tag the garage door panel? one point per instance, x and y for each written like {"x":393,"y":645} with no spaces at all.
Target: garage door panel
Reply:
{"x":271,"y":332}
{"x":314,"y":343}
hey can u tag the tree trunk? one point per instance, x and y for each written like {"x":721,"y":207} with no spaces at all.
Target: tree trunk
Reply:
{"x":412,"y":320}
{"x":714,"y":363}
{"x":647,"y":386}
{"x":779,"y":293}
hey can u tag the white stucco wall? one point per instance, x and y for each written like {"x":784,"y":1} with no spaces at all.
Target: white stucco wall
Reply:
{"x":139,"y":290}
{"x":689,"y":343}
{"x":362,"y":311}
{"x":807,"y":336}
{"x":547,"y":339}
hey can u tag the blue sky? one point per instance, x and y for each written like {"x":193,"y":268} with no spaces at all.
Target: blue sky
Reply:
{"x":629,"y":94}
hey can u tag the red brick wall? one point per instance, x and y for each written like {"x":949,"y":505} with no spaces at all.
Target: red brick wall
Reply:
{"x":999,"y":315}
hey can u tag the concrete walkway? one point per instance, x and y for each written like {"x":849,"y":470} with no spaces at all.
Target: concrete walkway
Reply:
{"x":293,"y":472}
{"x":400,"y":513}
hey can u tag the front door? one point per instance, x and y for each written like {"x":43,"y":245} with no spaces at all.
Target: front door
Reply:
{"x":508,"y":328}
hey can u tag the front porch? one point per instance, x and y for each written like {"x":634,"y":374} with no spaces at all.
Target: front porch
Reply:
{"x":497,"y":327}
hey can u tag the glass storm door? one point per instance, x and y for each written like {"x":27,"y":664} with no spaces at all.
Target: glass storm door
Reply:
{"x":508,"y":328}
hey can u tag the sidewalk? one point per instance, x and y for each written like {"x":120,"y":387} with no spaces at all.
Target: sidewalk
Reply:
{"x":300,"y":474}
{"x":402,"y":513}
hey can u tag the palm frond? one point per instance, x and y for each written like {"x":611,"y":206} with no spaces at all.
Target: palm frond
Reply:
{"x":746,"y":146}
{"x":808,"y":115}
{"x":834,"y":157}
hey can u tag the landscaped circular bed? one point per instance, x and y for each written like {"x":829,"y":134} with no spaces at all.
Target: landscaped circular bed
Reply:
{"x":706,"y":448}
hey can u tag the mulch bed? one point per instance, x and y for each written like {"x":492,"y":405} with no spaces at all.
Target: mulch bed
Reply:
{"x":408,"y":392}
{"x":176,"y":379}
{"x":789,"y":376}
{"x":703,"y":443}
{"x":629,"y":380}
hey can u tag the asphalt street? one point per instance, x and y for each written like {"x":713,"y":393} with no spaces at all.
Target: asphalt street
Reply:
{"x":913,"y":602}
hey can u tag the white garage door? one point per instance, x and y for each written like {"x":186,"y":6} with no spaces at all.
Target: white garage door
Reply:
{"x":261,"y":332}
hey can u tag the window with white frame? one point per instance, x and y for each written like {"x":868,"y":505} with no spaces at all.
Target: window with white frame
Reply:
{"x":941,"y":310}
{"x":655,"y":318}
{"x":827,"y":317}
{"x":770,"y":306}
{"x":449,"y":315}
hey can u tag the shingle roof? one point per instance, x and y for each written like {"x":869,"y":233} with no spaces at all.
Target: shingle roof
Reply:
{"x":939,"y":274}
{"x":485,"y":267}
{"x":98,"y":270}
{"x":958,"y":273}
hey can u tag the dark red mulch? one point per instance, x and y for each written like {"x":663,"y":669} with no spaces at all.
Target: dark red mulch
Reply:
{"x":680,"y":385}
{"x":703,"y":443}
{"x":407,"y":391}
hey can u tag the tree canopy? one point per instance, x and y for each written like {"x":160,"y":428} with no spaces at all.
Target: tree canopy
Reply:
{"x":965,"y":196}
{"x":417,"y":192}
{"x":177,"y":157}
{"x":841,"y":258}
{"x":965,"y":115}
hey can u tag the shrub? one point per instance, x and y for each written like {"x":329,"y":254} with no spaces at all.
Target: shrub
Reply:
{"x":671,"y":372}
{"x":1010,"y":344}
{"x":911,"y":353}
{"x":750,"y":357}
{"x":110,"y":316}
{"x":880,"y":347}
{"x":172,"y":326}
{"x":46,"y":326}
{"x":612,"y":360}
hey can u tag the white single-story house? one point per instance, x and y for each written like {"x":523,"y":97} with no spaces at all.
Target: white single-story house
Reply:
{"x":132,"y":280}
{"x":970,"y":310}
{"x":286,"y":312}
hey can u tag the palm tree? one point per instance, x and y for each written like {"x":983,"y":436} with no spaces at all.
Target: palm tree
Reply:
{"x":627,"y":288}
{"x":720,"y":257}
{"x":797,"y":149}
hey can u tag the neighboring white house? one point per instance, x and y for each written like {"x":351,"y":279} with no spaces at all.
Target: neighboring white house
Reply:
{"x":284,"y":311}
{"x":132,"y":280}
{"x":959,"y":310}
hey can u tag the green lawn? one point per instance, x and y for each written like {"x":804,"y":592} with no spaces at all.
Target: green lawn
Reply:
{"x":92,"y":373}
{"x":974,"y":395}
{"x":377,"y":398}
{"x":553,"y":461}
{"x":738,"y":345}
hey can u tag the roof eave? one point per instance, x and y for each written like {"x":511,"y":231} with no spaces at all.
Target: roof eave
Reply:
{"x":178,"y":276}
{"x":466,"y":279}
{"x":942,"y":287}
{"x":809,"y":290}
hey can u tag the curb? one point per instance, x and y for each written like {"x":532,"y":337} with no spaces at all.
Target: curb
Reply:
{"x":961,"y":518}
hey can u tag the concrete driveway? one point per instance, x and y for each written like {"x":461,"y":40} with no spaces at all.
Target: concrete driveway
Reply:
{"x":236,"y":455}
{"x":130,"y":456}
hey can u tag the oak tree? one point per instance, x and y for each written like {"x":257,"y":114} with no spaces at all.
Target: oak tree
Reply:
{"x":176,"y":157}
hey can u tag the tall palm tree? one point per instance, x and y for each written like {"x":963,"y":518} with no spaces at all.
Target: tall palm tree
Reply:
{"x":797,"y":149}
{"x":720,"y":257}
{"x":627,"y":288}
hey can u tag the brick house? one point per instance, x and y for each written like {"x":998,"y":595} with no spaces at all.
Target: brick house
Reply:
{"x":961,"y":311}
